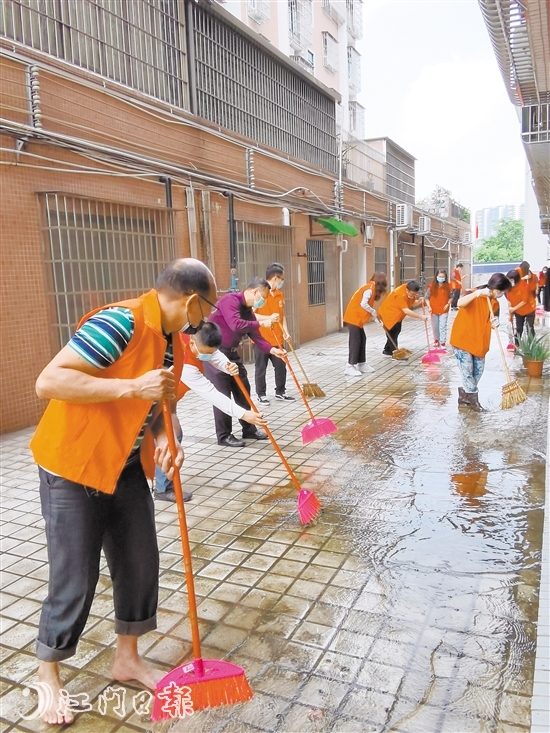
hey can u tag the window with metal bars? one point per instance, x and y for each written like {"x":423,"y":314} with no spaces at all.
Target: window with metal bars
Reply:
{"x":381,"y":260}
{"x":300,"y":23}
{"x":97,"y":253}
{"x":140,"y":44}
{"x":243,"y":88}
{"x":355,"y":18}
{"x":330,"y":53}
{"x":315,"y":249}
{"x":259,"y":10}
{"x":354,"y":69}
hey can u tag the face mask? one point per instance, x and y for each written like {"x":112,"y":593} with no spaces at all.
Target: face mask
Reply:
{"x":189,"y":330}
{"x":499,"y":296}
{"x":440,"y":279}
{"x":204,"y":357}
{"x":280,"y":285}
{"x":258,"y":303}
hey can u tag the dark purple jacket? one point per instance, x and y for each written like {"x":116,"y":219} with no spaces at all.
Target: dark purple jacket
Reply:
{"x":235,"y":320}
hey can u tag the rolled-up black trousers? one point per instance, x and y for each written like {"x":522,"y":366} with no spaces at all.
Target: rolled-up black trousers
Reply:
{"x":80,"y":522}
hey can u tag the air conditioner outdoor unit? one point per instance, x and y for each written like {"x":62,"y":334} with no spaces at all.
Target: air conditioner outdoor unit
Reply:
{"x":368,"y":233}
{"x":467,"y":237}
{"x":424,"y":224}
{"x":403,"y":216}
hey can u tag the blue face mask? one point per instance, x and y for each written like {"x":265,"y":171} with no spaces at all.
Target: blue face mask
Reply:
{"x":280,"y":285}
{"x":441,"y":279}
{"x":258,"y":303}
{"x":204,"y":357}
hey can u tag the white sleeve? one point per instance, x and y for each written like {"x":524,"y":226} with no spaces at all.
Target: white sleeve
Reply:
{"x":219,"y":360}
{"x":199,"y":384}
{"x":365,"y":302}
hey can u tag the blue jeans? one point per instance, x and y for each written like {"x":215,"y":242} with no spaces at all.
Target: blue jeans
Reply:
{"x":162,"y":483}
{"x":439,"y":325}
{"x":471,"y":368}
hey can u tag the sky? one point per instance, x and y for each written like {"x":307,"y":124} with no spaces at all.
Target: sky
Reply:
{"x":431,"y":83}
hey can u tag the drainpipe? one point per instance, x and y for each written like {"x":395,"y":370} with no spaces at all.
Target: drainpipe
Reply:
{"x":392,"y":259}
{"x":342,"y":245}
{"x":232,"y":245}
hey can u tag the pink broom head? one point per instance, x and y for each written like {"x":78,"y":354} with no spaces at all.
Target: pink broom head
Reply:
{"x":438,"y":350}
{"x":430,"y":358}
{"x":204,"y":683}
{"x":309,"y":506}
{"x":318,"y":427}
{"x":511,"y":347}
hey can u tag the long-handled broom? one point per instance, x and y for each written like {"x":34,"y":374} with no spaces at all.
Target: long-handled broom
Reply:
{"x":310,"y":389}
{"x":209,"y":682}
{"x":308,"y":504}
{"x":512,"y":393}
{"x":430,"y":357}
{"x":317,"y":427}
{"x":399,"y":354}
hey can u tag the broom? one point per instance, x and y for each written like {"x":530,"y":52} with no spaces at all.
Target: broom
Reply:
{"x":317,"y":427}
{"x":397,"y":353}
{"x":308,"y":504}
{"x":430,"y":357}
{"x":512,"y":393}
{"x":208,"y":682}
{"x":310,"y":389}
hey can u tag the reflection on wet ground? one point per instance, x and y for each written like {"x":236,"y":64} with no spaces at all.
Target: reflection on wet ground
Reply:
{"x":408,"y":606}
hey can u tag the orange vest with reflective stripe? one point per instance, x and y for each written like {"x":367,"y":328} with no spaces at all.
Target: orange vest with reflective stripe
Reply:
{"x":90,"y":443}
{"x":354,"y":314}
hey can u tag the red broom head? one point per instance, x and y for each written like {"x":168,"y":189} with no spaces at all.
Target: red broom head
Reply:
{"x":309,"y":506}
{"x":183,"y":692}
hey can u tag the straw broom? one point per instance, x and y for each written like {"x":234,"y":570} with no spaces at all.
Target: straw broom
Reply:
{"x":512,"y":393}
{"x":310,"y":389}
{"x":398,"y":353}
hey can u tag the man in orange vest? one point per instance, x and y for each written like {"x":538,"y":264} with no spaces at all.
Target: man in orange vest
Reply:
{"x":456,"y":285}
{"x":94,"y":447}
{"x":272,"y":320}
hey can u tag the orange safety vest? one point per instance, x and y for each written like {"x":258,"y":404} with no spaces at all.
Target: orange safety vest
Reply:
{"x":529,"y":294}
{"x":354,"y":314}
{"x":391,"y":310}
{"x":457,"y":275}
{"x":274,"y":303}
{"x":188,"y":358}
{"x":440,"y":300}
{"x":90,"y":443}
{"x":471,"y":329}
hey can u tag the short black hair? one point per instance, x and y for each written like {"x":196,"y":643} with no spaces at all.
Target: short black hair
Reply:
{"x":525,"y":267}
{"x":275,"y":269}
{"x":209,"y":335}
{"x":513,"y":276}
{"x":459,"y":264}
{"x":258,"y":283}
{"x":499,"y":281}
{"x":185,"y":277}
{"x":413,"y":285}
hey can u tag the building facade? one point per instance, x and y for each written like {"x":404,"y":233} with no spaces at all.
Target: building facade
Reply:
{"x":486,"y":219}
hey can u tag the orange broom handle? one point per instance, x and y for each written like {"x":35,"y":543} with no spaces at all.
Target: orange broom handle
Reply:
{"x":192,"y":601}
{"x":269,"y":433}
{"x":296,"y":382}
{"x":505,"y":365}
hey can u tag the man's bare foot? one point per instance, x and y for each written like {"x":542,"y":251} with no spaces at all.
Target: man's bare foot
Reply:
{"x":128,"y":665}
{"x":52,"y":706}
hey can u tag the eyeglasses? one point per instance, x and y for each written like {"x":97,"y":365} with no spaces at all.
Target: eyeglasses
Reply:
{"x":214,"y":308}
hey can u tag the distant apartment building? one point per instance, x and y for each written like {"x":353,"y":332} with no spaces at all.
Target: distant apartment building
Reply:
{"x":487,"y":219}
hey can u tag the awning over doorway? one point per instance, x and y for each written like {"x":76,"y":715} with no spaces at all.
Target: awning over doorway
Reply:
{"x":337,"y":226}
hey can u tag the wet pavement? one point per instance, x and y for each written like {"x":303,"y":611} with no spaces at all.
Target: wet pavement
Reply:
{"x":409,"y":605}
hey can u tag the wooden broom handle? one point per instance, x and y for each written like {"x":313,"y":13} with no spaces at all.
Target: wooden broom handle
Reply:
{"x":491,"y":315}
{"x":186,"y":549}
{"x":296,"y":382}
{"x":299,"y":362}
{"x":269,"y":433}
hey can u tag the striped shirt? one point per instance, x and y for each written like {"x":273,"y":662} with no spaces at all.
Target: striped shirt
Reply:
{"x":102,"y":339}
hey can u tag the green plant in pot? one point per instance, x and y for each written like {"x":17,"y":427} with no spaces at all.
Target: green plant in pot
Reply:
{"x":534,"y":350}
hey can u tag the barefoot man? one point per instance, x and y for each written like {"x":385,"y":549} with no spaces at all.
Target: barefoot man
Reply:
{"x":94,"y":447}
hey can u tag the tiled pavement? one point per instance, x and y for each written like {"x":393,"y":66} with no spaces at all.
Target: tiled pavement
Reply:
{"x":409,"y":605}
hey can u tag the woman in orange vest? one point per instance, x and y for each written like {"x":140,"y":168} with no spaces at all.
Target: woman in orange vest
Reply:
{"x":456,"y":285}
{"x":393,"y":310}
{"x":359,"y":311}
{"x":515,"y":300}
{"x":471,"y":335}
{"x":525,"y":314}
{"x":439,"y":301}
{"x":543,"y":274}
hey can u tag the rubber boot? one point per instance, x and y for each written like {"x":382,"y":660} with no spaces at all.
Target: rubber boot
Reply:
{"x":473,"y":401}
{"x":462,"y":397}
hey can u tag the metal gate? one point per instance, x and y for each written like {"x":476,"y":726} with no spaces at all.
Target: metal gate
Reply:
{"x":408,"y":267}
{"x":258,"y":245}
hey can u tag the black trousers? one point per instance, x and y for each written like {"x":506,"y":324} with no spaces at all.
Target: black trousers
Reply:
{"x":262,"y":359}
{"x":521,"y":321}
{"x":357,"y":340}
{"x":455,"y":295}
{"x":392,"y":332}
{"x":80,"y":522}
{"x":225,"y":384}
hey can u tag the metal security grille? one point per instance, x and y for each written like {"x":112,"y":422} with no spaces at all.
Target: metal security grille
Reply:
{"x":315,"y":249}
{"x":407,"y":262}
{"x":429,"y":265}
{"x":259,"y":245}
{"x":140,"y":43}
{"x":381,"y":260}
{"x":243,"y":88}
{"x":98,"y":253}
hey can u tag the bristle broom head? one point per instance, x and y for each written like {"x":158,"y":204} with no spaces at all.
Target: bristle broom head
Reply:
{"x":182,"y":693}
{"x":309,"y":506}
{"x":318,"y":427}
{"x":312,"y":390}
{"x":512,"y":395}
{"x":430,"y":358}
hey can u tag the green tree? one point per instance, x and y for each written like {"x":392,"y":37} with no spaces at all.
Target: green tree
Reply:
{"x":506,"y":245}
